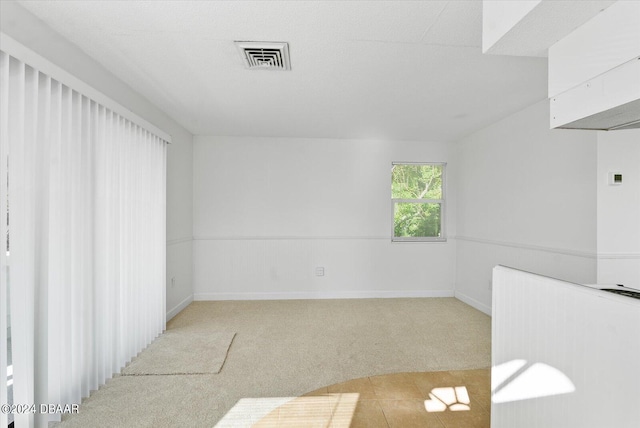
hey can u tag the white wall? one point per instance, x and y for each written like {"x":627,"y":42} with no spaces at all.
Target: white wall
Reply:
{"x":268,"y":211}
{"x":33,"y":33}
{"x":619,"y":208}
{"x":526,"y":198}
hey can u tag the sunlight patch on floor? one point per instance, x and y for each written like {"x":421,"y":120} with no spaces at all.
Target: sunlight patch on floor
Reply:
{"x":453,"y":398}
{"x":329,"y":410}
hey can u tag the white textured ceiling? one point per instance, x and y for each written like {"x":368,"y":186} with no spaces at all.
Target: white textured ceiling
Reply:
{"x":360,"y":69}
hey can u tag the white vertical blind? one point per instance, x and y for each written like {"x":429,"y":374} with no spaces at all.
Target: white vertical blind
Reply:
{"x":86,"y":270}
{"x":4,"y":304}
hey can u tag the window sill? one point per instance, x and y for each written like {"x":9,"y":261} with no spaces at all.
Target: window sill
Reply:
{"x":424,"y":240}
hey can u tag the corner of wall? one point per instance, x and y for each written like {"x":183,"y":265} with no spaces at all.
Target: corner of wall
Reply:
{"x":526,"y":199}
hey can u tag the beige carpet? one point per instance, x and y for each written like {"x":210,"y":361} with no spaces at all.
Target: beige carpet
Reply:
{"x":288,"y":348}
{"x":183,"y":351}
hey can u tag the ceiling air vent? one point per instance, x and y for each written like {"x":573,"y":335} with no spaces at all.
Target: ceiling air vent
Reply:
{"x":265,"y":55}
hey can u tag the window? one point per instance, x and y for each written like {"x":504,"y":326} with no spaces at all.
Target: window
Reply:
{"x":417,"y":201}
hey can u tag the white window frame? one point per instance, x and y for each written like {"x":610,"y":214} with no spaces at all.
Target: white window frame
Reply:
{"x":442,"y":202}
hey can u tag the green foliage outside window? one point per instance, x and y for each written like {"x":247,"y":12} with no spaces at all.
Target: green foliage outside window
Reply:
{"x":417,"y":197}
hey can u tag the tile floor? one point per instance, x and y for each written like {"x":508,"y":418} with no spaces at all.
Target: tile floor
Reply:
{"x":443,"y":399}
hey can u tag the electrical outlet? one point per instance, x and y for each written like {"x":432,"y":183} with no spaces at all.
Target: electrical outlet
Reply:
{"x":173,"y":281}
{"x":615,"y":178}
{"x":320,"y":271}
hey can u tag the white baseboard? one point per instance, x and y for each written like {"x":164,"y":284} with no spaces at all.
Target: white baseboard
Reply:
{"x":305,"y":295}
{"x":179,"y":307}
{"x":473,"y":302}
